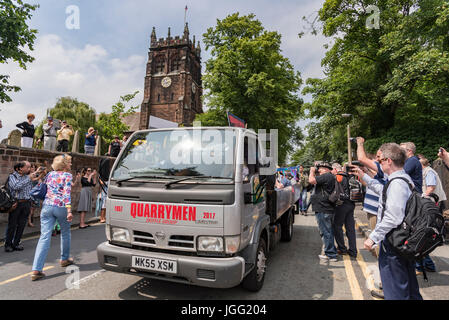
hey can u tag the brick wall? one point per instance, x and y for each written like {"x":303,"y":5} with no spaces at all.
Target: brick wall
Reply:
{"x":10,"y":155}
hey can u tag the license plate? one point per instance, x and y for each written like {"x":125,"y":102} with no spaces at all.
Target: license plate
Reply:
{"x":153,"y":264}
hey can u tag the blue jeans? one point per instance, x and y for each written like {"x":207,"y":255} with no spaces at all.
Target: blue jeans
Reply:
{"x":325,"y":222}
{"x":303,"y":198}
{"x":49,"y":215}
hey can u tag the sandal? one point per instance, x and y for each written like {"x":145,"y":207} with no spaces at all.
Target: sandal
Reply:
{"x":66,"y":263}
{"x":37,"y":276}
{"x":86,"y":226}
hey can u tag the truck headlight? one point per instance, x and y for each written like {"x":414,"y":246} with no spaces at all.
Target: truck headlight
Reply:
{"x":211,"y":244}
{"x":120,"y":235}
{"x":232,"y":244}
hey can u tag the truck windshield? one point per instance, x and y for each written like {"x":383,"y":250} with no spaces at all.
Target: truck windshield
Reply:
{"x":178,"y":153}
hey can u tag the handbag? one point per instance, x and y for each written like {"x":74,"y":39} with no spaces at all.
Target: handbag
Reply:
{"x":39,"y":191}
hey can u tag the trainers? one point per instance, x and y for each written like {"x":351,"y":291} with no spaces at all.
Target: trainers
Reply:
{"x":323,"y":257}
{"x":377,"y":294}
{"x":333,"y":259}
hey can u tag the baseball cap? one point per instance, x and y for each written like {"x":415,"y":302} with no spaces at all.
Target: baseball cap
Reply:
{"x":49,"y":118}
{"x":324,"y":164}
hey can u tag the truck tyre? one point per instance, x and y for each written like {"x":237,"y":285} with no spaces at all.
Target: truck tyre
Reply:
{"x":254,"y":280}
{"x":287,"y":226}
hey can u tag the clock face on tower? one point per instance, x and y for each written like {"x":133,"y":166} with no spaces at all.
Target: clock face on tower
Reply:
{"x":166,"y":82}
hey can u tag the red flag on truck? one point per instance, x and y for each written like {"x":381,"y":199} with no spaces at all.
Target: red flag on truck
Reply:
{"x":235,"y":121}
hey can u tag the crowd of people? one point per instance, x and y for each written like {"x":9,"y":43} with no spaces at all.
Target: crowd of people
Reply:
{"x":56,"y":208}
{"x":57,"y":134}
{"x":375,"y":172}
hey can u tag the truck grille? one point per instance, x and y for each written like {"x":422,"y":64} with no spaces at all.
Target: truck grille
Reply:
{"x":181,"y":241}
{"x":143,"y":237}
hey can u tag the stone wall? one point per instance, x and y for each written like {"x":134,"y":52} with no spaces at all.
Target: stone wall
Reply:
{"x":10,"y":155}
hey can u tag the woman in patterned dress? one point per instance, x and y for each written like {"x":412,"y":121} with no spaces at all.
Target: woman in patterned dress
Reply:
{"x":56,"y":207}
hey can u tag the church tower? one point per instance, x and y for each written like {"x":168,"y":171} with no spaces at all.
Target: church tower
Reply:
{"x":173,"y":86}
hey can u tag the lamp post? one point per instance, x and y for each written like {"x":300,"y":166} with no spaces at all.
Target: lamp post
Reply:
{"x":348,"y":115}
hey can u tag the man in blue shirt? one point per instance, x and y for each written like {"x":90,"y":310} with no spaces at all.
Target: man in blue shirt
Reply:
{"x":412,"y":165}
{"x":413,"y":168}
{"x":20,"y":186}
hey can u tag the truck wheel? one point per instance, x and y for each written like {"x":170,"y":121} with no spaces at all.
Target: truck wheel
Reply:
{"x":287,"y":227}
{"x":254,"y":280}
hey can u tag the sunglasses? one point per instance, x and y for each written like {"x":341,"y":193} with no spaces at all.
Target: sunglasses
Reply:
{"x":381,"y":160}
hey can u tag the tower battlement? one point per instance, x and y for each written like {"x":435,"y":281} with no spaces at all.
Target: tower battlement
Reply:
{"x":169,"y":41}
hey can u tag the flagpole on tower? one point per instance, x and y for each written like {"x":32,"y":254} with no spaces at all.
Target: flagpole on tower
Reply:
{"x":185,"y":15}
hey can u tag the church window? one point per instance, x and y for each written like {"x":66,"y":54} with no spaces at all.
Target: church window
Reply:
{"x":160,"y":65}
{"x":175,"y":64}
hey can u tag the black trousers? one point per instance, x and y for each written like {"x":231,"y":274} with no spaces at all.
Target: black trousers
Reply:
{"x":63,"y":146}
{"x":344,"y":215}
{"x":17,"y":221}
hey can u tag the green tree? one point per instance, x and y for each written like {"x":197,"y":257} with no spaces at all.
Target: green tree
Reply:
{"x":77,"y":114}
{"x":248,"y":76}
{"x":15,"y":36}
{"x":111,"y":125}
{"x":393,"y":80}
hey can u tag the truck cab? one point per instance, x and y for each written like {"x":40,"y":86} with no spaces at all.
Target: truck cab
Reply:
{"x":190,"y":205}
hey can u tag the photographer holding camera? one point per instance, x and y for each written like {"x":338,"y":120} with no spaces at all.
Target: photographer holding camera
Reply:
{"x":64,"y":137}
{"x":344,"y":214}
{"x":324,"y":209}
{"x":91,"y":141}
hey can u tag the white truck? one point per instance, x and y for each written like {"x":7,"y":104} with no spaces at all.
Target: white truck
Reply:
{"x":187,"y":208}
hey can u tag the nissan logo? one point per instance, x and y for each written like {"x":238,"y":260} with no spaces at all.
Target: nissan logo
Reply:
{"x":160,"y":235}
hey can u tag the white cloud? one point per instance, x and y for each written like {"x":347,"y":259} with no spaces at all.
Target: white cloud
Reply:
{"x":87,"y":73}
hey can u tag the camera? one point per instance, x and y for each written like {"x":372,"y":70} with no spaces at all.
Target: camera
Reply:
{"x":357,"y":163}
{"x":353,"y":140}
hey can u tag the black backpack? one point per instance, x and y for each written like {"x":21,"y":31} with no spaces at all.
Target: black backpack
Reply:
{"x":7,"y":201}
{"x":337,"y":195}
{"x":422,"y":229}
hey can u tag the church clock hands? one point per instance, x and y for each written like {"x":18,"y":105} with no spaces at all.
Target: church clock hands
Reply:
{"x":166,"y":82}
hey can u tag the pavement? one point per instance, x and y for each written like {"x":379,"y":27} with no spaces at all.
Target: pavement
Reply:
{"x":36,"y":230}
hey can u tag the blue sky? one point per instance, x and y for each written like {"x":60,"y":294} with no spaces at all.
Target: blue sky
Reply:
{"x":106,"y":57}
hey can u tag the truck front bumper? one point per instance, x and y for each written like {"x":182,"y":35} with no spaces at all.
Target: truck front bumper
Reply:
{"x":201,"y":271}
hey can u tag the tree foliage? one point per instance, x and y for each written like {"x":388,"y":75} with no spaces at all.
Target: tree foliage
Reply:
{"x":393,"y":80}
{"x":111,"y":124}
{"x":248,"y":76}
{"x":15,"y":36}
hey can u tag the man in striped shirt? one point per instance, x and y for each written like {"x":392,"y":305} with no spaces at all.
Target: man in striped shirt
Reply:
{"x":374,"y":170}
{"x":371,"y":202}
{"x":20,"y":185}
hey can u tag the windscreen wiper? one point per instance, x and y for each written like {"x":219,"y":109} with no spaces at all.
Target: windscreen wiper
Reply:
{"x":136,"y":177}
{"x":168,"y":184}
